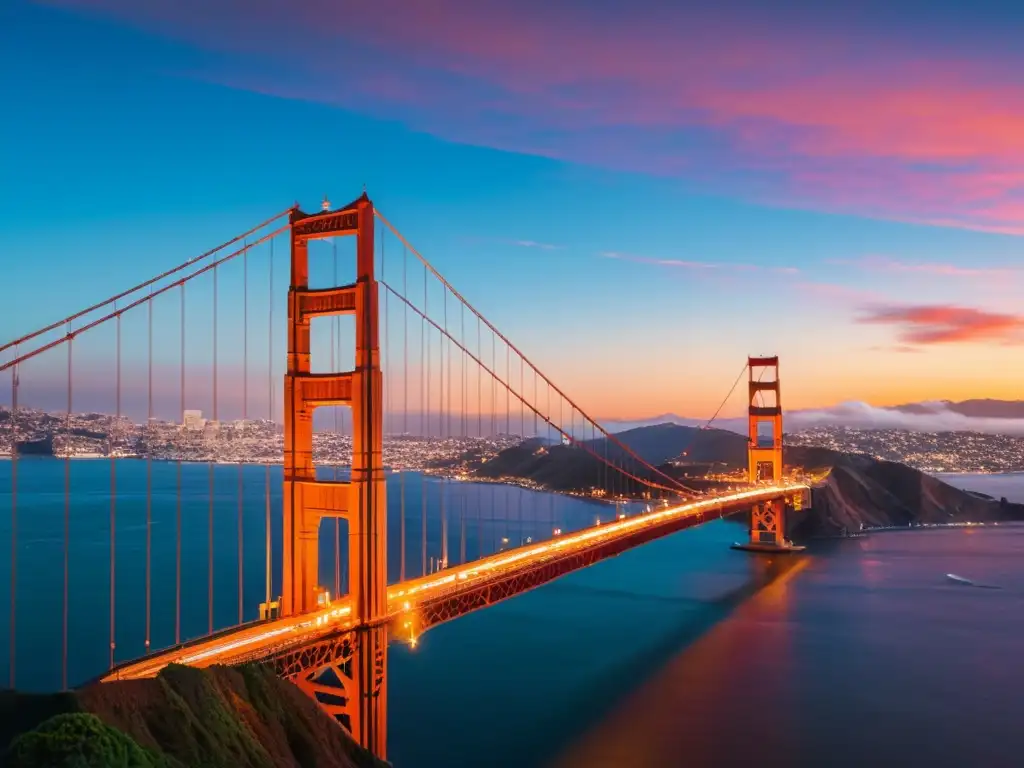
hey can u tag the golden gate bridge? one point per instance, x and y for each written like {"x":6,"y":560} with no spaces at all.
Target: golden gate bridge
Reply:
{"x":424,"y":360}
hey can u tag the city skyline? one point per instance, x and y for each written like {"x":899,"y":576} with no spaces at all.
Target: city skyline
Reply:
{"x":889,"y":250}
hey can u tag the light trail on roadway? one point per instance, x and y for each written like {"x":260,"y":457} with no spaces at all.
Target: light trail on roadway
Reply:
{"x":263,"y":638}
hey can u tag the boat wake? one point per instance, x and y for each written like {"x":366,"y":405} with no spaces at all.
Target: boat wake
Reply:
{"x":968,"y":582}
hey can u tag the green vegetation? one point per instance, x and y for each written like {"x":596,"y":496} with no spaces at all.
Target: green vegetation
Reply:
{"x":79,"y":740}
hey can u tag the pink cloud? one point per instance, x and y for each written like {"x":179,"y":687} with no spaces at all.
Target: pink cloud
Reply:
{"x":945,"y":324}
{"x":784,"y":114}
{"x":535,"y":244}
{"x":884,"y":264}
{"x":835,"y":292}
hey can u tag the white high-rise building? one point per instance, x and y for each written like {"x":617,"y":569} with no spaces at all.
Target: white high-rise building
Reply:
{"x":193,"y":420}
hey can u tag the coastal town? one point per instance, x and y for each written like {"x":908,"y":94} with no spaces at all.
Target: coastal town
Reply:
{"x":965,"y":452}
{"x":259,"y":441}
{"x":195,"y":438}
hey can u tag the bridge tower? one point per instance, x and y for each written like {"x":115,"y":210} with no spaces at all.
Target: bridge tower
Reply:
{"x":764,"y":451}
{"x":361,"y":501}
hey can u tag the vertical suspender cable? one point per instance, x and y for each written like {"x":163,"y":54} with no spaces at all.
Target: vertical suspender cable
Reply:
{"x":405,"y":410}
{"x":149,"y":477}
{"x":424,"y":421}
{"x":343,"y":577}
{"x":522,"y":431}
{"x":209,"y":525}
{"x":177,"y":553}
{"x":245,"y":429}
{"x":480,"y":428}
{"x":269,"y":554}
{"x":14,"y":525}
{"x":446,"y":428}
{"x":479,"y":383}
{"x":386,"y":378}
{"x":335,"y":341}
{"x":113,"y":493}
{"x":67,"y":509}
{"x":462,"y":429}
{"x":462,"y":527}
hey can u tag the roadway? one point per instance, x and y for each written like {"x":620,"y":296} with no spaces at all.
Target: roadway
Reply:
{"x":549,"y":559}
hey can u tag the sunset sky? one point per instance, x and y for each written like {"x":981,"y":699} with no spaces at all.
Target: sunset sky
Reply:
{"x":638,"y":194}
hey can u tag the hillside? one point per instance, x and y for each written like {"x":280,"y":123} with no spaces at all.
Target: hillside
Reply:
{"x":562,"y":468}
{"x":221,"y":717}
{"x":859,"y":489}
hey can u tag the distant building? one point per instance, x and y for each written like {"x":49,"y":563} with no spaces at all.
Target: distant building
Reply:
{"x":193,"y":420}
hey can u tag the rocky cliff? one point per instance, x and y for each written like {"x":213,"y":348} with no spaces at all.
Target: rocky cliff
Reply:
{"x":221,"y":717}
{"x":861,"y":490}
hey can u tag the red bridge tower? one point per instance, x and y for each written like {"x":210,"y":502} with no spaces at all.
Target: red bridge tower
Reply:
{"x":361,"y":501}
{"x":764,"y":452}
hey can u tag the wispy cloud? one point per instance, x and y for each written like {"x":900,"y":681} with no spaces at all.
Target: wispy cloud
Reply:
{"x":724,"y":266}
{"x":534,"y":244}
{"x":519,"y":243}
{"x":946,"y":324}
{"x":836,"y":292}
{"x":900,"y":348}
{"x":884,"y":264}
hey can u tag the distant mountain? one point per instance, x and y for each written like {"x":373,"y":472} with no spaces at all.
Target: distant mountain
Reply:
{"x":978,"y":415}
{"x":624,"y":425}
{"x":980,"y":408}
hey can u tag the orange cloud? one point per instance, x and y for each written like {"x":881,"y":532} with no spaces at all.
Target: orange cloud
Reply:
{"x":942,"y":324}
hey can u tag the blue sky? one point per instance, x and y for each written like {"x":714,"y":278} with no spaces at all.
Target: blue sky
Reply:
{"x":879,"y":260}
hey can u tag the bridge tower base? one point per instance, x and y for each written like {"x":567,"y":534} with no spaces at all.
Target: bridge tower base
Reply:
{"x":764,"y":457}
{"x":361,"y":502}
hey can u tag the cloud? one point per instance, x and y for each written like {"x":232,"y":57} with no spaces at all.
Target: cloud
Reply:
{"x":519,"y":243}
{"x":935,"y":417}
{"x":883,"y":264}
{"x":943,"y":324}
{"x":900,"y":348}
{"x":836,"y":292}
{"x":802,"y":108}
{"x":928,"y":417}
{"x":534,"y":244}
{"x":697,"y":265}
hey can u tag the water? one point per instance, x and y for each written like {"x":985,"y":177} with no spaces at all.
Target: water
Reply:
{"x":680,"y":652}
{"x":683,"y":652}
{"x":481,"y":518}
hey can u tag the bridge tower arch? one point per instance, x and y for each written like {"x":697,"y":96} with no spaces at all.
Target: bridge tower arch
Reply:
{"x":764,"y":449}
{"x":361,"y":501}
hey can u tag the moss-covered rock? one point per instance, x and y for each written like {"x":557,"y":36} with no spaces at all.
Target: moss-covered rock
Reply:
{"x":221,"y":717}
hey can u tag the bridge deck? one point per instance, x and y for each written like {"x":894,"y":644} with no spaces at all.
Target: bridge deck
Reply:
{"x":454,"y":591}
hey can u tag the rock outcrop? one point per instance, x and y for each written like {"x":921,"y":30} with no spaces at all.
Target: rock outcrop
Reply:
{"x":222,"y":717}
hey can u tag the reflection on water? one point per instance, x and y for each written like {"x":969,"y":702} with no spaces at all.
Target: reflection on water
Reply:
{"x":683,"y":652}
{"x":864,"y":654}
